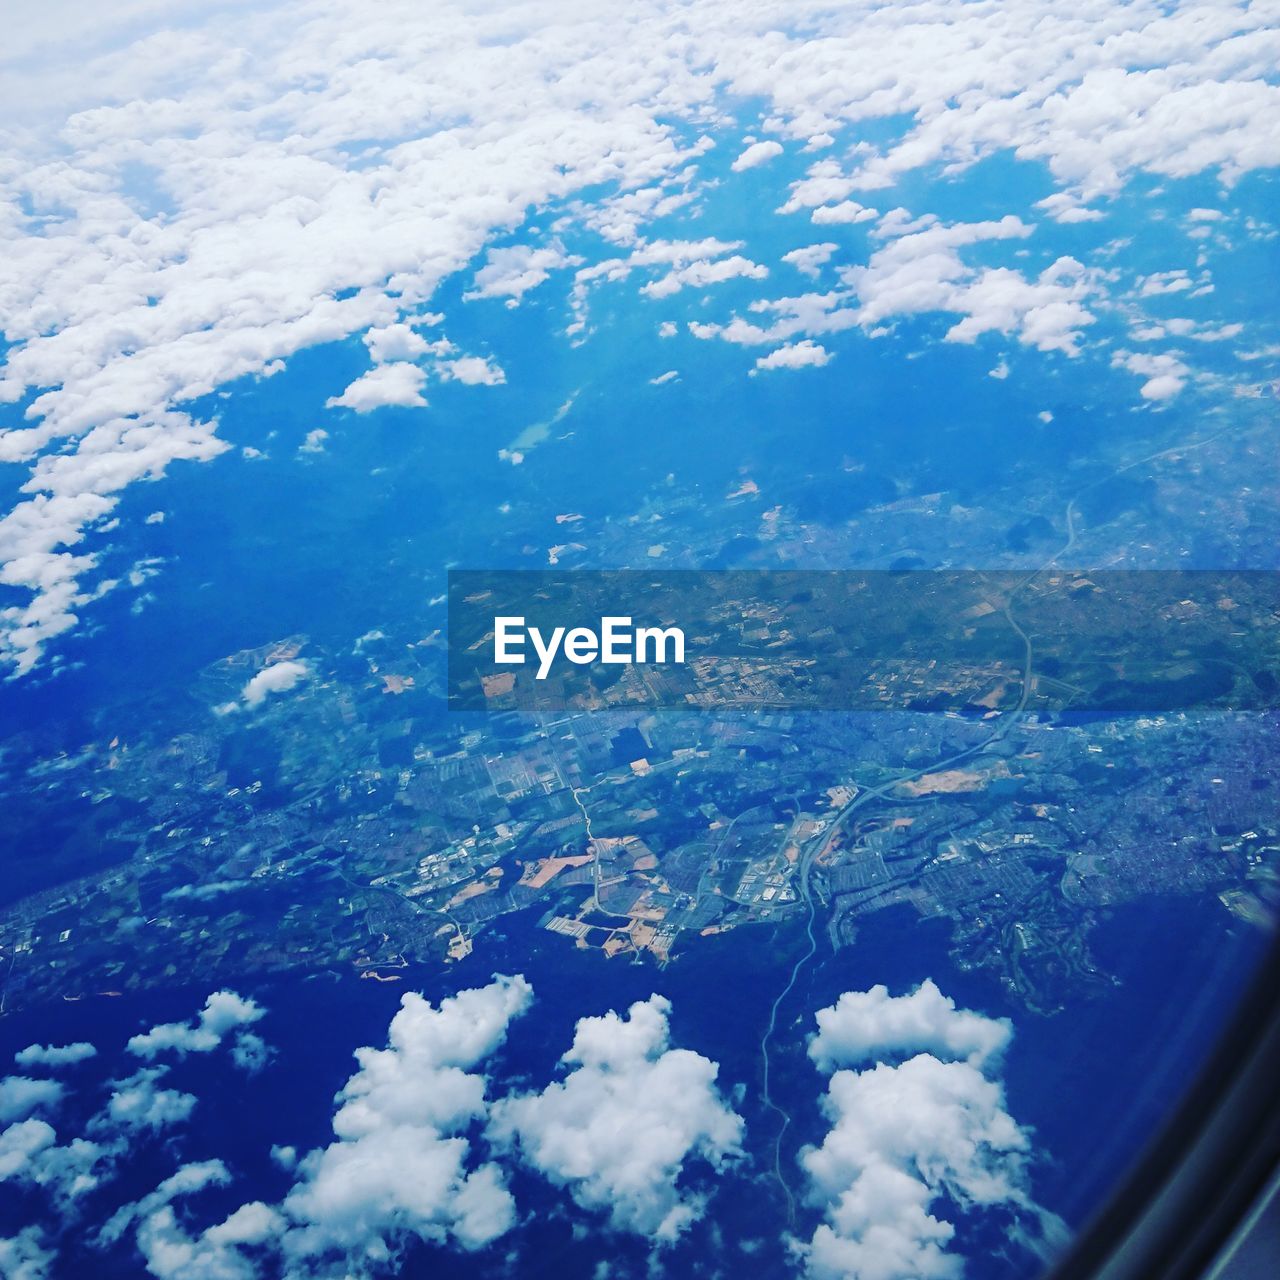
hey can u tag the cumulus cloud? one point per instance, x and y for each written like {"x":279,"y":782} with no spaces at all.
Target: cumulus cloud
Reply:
{"x":796,"y":355}
{"x":223,"y":1012}
{"x":20,"y":1096}
{"x":1165,"y":375}
{"x":24,"y":1257}
{"x":400,"y":1164}
{"x":810,"y":260}
{"x":394,"y":342}
{"x":926,"y":1127}
{"x":864,"y":1025}
{"x":757,"y":153}
{"x":473,"y":371}
{"x":138,"y":1102}
{"x":385,"y":384}
{"x":511,"y":272}
{"x":621,"y":1129}
{"x":279,"y":677}
{"x":51,"y":1055}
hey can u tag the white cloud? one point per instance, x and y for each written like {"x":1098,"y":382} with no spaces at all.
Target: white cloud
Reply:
{"x":280,"y":677}
{"x":701,"y":273}
{"x":1165,"y":374}
{"x":473,"y":371}
{"x":847,"y":211}
{"x":223,"y":1012}
{"x":865,"y":1025}
{"x":50,"y":1055}
{"x":797,"y":355}
{"x":400,"y":1164}
{"x":24,"y":1257}
{"x":313,"y":441}
{"x":756,"y":154}
{"x":512,"y":272}
{"x":909,"y":1135}
{"x":622,"y":1127}
{"x":811,"y":258}
{"x":21,"y":1095}
{"x":385,"y":384}
{"x":394,"y":342}
{"x":138,"y":1103}
{"x":671,"y":375}
{"x":19,"y":1145}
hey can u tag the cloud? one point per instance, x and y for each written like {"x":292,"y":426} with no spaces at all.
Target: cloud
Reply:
{"x":400,"y":1163}
{"x":394,"y":342}
{"x":757,"y":153}
{"x":21,"y":1095}
{"x":911,"y":1135}
{"x":138,"y":1103}
{"x":280,"y":677}
{"x":511,"y":272}
{"x":49,"y":1055}
{"x":1165,"y":374}
{"x":313,"y":441}
{"x":399,"y":385}
{"x":473,"y":371}
{"x":223,"y":1012}
{"x":810,"y":259}
{"x":846,"y":212}
{"x":620,"y":1130}
{"x":24,"y":1257}
{"x":796,"y":355}
{"x":20,"y":1143}
{"x":865,"y":1025}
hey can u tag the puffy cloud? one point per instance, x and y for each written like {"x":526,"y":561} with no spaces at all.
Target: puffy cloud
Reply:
{"x":19,"y":1145}
{"x":313,"y":441}
{"x":24,"y":1256}
{"x":757,"y":153}
{"x":811,"y":258}
{"x":921,"y":270}
{"x":700,"y":273}
{"x":217,"y":1253}
{"x":1165,"y":374}
{"x":473,"y":371}
{"x":693,"y":263}
{"x":395,"y":342}
{"x":280,"y":677}
{"x":796,"y":355}
{"x":50,"y":1055}
{"x":21,"y":1095}
{"x":138,"y":1102}
{"x":846,"y":211}
{"x":385,"y":384}
{"x":622,"y":1127}
{"x":865,"y":1025}
{"x":400,"y":1164}
{"x":928,"y":1127}
{"x":223,"y":1012}
{"x":185,"y":1181}
{"x":512,"y":272}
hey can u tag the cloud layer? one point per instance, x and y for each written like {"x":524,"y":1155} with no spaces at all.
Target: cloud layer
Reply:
{"x":189,"y":206}
{"x":621,"y":1128}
